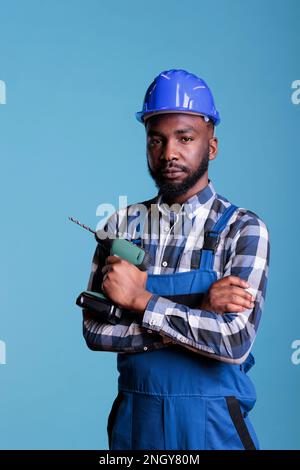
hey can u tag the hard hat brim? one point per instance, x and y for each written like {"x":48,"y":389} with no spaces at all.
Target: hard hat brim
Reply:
{"x":142,"y":116}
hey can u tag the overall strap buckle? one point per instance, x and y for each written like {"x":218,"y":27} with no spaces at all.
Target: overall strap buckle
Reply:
{"x":211,"y":240}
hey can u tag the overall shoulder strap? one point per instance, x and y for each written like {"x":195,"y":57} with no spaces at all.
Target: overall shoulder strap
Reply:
{"x":212,"y":238}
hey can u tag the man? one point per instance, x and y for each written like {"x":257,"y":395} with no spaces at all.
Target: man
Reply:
{"x":189,"y":323}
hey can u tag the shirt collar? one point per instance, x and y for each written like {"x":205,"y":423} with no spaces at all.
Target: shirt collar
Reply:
{"x":194,"y":204}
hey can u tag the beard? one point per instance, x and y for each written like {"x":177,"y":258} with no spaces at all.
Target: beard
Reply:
{"x":169,"y":188}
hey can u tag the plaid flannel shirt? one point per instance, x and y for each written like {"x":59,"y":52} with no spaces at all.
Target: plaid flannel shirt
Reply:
{"x":243,"y":251}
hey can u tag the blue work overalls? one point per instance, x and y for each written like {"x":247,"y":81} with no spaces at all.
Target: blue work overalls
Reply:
{"x":176,"y":399}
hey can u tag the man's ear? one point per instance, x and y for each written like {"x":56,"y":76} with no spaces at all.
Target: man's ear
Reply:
{"x":213,"y":148}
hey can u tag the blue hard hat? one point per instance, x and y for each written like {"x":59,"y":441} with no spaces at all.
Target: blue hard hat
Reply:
{"x":178,"y":91}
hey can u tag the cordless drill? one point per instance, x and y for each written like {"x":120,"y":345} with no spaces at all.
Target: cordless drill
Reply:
{"x":97,"y":302}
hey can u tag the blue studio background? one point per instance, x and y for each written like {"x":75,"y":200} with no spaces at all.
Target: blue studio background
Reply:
{"x":75,"y":73}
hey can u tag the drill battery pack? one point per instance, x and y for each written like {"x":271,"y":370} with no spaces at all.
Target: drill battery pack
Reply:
{"x":101,"y":307}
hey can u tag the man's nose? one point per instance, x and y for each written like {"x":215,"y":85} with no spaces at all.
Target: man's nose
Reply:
{"x":170,"y":152}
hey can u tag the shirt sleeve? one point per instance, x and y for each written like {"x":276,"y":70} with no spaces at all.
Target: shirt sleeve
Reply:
{"x":101,"y":335}
{"x":228,"y":337}
{"x":127,"y":335}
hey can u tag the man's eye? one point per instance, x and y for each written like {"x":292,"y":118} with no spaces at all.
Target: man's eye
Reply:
{"x":187,"y":139}
{"x":154,"y":142}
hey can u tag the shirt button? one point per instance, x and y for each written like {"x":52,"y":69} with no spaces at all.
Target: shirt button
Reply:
{"x":149,"y":331}
{"x":190,"y":216}
{"x":145,"y":348}
{"x":167,"y":229}
{"x":164,"y":263}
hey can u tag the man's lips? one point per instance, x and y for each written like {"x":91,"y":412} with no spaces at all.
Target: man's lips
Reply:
{"x":172,"y":173}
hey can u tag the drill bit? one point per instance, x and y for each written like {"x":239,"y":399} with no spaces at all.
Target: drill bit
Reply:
{"x":81,"y":225}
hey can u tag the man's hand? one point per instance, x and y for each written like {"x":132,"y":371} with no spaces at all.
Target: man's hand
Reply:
{"x":228,"y":295}
{"x":125,"y":284}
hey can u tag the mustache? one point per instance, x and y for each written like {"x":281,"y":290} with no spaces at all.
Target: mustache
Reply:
{"x":172,"y":167}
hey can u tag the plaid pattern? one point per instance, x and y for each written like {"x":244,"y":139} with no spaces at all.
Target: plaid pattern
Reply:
{"x":243,"y":251}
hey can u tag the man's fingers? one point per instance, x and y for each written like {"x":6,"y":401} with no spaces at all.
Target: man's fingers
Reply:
{"x":237,"y":281}
{"x":105,"y":272}
{"x":240,"y":301}
{"x":234,"y":308}
{"x":228,"y":292}
{"x":233,"y":295}
{"x":240,"y":292}
{"x":106,"y":268}
{"x":112,"y":259}
{"x":234,"y":281}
